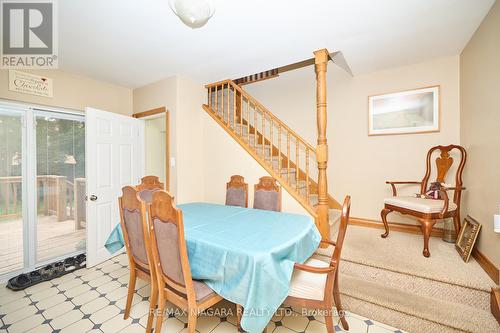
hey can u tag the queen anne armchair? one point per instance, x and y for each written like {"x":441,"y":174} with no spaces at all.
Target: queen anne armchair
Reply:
{"x":429,"y":211}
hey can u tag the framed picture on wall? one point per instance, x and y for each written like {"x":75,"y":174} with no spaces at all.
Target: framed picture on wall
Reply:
{"x":404,"y":112}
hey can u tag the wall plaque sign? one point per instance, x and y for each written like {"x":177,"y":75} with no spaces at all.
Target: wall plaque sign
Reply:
{"x":27,"y":83}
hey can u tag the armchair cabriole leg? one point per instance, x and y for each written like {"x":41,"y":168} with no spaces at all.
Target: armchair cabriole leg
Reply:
{"x":383,"y":214}
{"x":427,"y":226}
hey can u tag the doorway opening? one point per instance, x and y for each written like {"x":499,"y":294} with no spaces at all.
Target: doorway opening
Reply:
{"x":157,"y":143}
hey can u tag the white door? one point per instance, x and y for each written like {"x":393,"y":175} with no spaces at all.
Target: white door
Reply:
{"x":114,"y":158}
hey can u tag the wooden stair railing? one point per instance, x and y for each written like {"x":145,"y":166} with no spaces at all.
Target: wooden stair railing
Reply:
{"x":279,"y":149}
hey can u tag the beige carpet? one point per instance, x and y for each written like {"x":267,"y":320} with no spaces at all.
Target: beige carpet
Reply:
{"x":401,"y":252}
{"x":390,"y":280}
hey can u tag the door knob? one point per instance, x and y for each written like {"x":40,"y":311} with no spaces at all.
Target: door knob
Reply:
{"x":93,"y":197}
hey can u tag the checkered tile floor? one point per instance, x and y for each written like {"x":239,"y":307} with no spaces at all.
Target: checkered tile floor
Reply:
{"x":93,"y":300}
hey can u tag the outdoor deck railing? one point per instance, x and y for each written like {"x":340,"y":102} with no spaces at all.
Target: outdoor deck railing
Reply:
{"x":56,"y":196}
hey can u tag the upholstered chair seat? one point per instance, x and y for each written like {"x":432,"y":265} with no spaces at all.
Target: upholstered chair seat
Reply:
{"x":419,"y":204}
{"x":201,"y":290}
{"x":308,"y":285}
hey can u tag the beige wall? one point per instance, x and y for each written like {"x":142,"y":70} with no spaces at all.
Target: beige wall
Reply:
{"x":74,"y":92}
{"x":183,"y":98}
{"x":480,"y":133}
{"x":360,"y":164}
{"x":158,"y":94}
{"x":189,"y":141}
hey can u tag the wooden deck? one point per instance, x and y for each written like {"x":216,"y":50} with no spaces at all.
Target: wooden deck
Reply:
{"x":54,"y":240}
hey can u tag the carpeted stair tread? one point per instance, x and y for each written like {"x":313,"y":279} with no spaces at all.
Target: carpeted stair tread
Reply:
{"x":418,"y":286}
{"x":385,"y":279}
{"x":453,"y":315}
{"x":402,"y":253}
{"x":398,"y":319}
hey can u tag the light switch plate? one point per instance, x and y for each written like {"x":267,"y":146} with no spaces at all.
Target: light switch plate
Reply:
{"x":496,"y":223}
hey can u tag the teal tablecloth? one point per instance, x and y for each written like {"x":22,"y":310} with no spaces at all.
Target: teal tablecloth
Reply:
{"x":245,"y":255}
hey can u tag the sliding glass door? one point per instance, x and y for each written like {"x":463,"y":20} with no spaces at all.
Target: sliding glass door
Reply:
{"x":11,"y":189}
{"x":42,"y":187}
{"x":60,"y":182}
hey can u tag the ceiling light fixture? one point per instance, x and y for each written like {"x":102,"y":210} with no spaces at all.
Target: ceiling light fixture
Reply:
{"x":193,"y":13}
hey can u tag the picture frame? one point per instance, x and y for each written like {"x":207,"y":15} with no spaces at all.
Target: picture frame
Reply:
{"x":405,"y":112}
{"x":467,"y":237}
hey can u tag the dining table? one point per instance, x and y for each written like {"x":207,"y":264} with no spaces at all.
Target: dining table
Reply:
{"x":245,"y":255}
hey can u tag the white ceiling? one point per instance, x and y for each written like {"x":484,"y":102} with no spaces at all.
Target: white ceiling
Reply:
{"x":136,"y":42}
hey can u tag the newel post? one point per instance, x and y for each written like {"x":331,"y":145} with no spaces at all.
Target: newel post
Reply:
{"x":320,"y":62}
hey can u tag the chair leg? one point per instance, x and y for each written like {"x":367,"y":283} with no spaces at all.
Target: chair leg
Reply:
{"x":130,"y":293}
{"x":456,"y":222}
{"x":159,"y":314}
{"x":239,"y":313}
{"x":383,"y":214}
{"x":329,"y":322}
{"x":192,"y":317}
{"x":153,"y":299}
{"x":338,"y":304}
{"x":427,"y":228}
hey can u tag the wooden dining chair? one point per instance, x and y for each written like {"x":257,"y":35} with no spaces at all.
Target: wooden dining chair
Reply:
{"x":267,"y":194}
{"x":136,"y":236}
{"x":148,"y":185}
{"x":173,"y":274}
{"x":429,"y":211}
{"x":315,"y":282}
{"x":237,"y":192}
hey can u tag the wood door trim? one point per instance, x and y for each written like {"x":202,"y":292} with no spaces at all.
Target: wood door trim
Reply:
{"x":153,"y":112}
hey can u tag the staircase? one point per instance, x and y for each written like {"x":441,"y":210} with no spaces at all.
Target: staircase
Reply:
{"x":284,"y":154}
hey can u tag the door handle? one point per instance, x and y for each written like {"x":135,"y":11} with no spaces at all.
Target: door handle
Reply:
{"x":93,"y":197}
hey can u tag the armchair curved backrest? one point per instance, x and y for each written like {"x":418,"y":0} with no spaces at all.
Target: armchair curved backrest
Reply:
{"x":443,"y":165}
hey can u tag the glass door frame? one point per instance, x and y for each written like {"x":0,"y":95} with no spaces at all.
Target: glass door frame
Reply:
{"x":28,"y":112}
